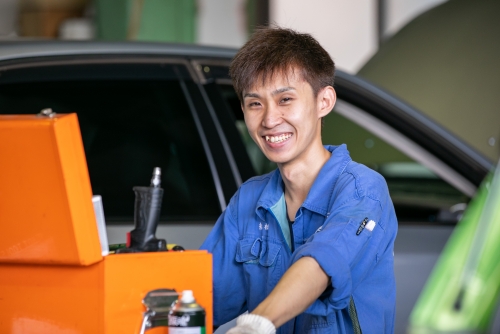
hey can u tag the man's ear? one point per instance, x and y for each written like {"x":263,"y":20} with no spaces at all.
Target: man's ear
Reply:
{"x":326,"y":101}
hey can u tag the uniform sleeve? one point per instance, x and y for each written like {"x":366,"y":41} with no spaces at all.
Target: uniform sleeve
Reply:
{"x":228,"y":279}
{"x":345,"y":249}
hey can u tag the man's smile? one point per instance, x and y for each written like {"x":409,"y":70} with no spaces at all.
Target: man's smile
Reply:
{"x":279,"y":138}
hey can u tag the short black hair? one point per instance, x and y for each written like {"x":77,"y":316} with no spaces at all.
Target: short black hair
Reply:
{"x":278,"y":50}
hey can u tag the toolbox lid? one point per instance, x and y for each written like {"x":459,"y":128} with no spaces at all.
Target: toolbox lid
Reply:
{"x":46,"y":210}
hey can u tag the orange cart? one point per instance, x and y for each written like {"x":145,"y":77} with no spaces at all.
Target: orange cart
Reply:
{"x":53,"y":276}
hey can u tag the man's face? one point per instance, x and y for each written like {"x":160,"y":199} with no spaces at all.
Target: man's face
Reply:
{"x":283,"y":117}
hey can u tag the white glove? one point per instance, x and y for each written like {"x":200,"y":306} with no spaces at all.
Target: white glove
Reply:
{"x":252,"y":324}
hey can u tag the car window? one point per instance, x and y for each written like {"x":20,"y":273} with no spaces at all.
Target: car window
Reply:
{"x":129,"y":126}
{"x":418,"y":194}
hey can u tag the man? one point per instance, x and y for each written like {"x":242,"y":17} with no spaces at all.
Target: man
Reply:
{"x":307,"y":248}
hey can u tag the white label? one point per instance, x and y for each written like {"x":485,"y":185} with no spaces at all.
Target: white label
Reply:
{"x":178,"y":321}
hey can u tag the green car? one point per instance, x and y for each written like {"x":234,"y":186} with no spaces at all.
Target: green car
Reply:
{"x":461,"y":295}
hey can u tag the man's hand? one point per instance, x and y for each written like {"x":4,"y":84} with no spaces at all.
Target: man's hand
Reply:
{"x":252,"y":324}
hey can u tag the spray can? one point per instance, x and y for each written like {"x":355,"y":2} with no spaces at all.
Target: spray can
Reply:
{"x":186,"y":316}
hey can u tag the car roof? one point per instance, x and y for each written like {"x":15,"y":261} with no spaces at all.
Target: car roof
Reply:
{"x":354,"y":89}
{"x":16,"y":49}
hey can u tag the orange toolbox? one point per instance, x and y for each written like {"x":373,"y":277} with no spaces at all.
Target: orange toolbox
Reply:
{"x":53,"y":275}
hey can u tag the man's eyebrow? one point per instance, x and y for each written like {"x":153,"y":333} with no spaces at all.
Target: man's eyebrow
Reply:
{"x":251,"y":95}
{"x":277,"y":91}
{"x":282,"y":90}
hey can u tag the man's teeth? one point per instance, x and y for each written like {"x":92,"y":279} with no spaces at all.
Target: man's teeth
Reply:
{"x":278,"y":139}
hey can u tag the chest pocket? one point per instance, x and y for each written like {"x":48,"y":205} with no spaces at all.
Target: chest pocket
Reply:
{"x":257,"y":250}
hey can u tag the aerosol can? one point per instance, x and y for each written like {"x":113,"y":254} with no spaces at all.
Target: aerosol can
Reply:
{"x":186,"y":316}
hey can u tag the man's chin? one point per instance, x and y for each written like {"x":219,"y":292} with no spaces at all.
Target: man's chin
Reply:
{"x":277,"y":160}
{"x":279,"y":157}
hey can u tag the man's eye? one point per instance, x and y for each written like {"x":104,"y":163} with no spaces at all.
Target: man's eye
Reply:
{"x":285,"y":99}
{"x":254,"y":104}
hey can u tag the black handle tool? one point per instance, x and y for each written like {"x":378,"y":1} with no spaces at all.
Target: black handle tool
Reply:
{"x":146,"y":217}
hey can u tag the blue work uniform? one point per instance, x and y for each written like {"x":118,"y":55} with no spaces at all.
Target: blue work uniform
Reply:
{"x":347,"y":224}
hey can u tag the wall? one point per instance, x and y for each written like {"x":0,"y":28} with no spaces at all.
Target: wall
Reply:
{"x":222,"y":22}
{"x":347,"y":29}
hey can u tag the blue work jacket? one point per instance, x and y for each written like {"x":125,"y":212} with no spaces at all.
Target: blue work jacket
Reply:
{"x":347,"y":224}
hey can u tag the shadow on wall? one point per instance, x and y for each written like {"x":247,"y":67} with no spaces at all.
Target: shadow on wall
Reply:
{"x":445,"y":63}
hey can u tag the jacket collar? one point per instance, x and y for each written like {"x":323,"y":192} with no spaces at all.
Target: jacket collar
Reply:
{"x":318,"y":199}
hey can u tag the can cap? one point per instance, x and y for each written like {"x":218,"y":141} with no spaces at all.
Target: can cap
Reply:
{"x":187,"y":296}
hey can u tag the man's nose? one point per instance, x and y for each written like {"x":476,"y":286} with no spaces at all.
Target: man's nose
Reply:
{"x":272,"y":116}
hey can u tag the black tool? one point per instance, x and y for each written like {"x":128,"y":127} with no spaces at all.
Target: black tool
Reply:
{"x":146,"y":217}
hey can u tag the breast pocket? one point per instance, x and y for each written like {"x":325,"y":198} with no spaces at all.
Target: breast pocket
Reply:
{"x":261,"y":259}
{"x":353,"y":241}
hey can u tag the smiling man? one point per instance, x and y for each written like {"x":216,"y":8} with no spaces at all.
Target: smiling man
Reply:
{"x":307,"y":248}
